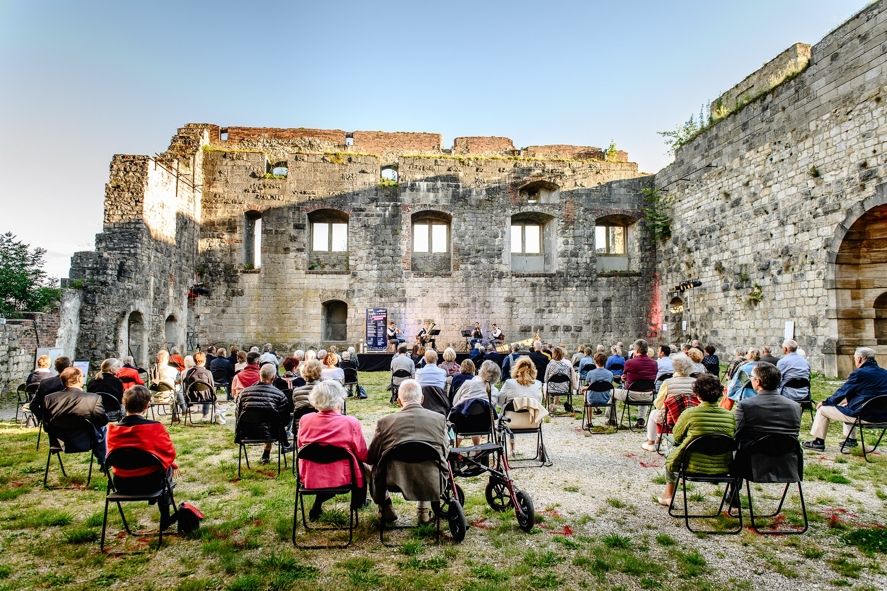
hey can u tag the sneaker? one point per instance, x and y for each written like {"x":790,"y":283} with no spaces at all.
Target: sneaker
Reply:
{"x":849,"y":444}
{"x":361,"y":396}
{"x":648,"y":446}
{"x":639,"y":424}
{"x":816,"y":444}
{"x":220,"y":420}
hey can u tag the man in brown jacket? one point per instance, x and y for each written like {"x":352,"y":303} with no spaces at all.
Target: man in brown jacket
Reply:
{"x":417,"y":482}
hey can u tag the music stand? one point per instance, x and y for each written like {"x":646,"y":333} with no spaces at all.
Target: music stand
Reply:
{"x":431,"y":340}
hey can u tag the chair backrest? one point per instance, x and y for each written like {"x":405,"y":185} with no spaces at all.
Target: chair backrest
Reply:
{"x":665,"y":376}
{"x":476,"y":418}
{"x":559,"y":378}
{"x":641,"y":386}
{"x":400,"y":373}
{"x":714,"y":444}
{"x":161,"y":387}
{"x":200,"y":392}
{"x":77,"y":433}
{"x":434,"y":398}
{"x":257,"y":424}
{"x":874,"y":409}
{"x":350,"y":374}
{"x":23,"y":387}
{"x":797,"y":383}
{"x":616,"y":367}
{"x":780,"y":449}
{"x":412,"y":452}
{"x":111,"y":405}
{"x":31,"y":389}
{"x":601,"y":386}
{"x":676,"y":404}
{"x":132,"y":458}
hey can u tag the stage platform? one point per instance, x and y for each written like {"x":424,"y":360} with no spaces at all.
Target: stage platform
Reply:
{"x":381,"y":360}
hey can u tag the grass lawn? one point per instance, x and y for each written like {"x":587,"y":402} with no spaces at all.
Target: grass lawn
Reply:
{"x":49,"y":538}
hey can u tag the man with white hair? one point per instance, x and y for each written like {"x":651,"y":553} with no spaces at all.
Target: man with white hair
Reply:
{"x":430,"y":374}
{"x":268,"y":356}
{"x":411,"y":423}
{"x":264,"y":396}
{"x":863,"y":384}
{"x":793,"y":367}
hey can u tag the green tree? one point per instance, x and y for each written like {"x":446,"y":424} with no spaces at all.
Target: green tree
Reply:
{"x":24,"y":285}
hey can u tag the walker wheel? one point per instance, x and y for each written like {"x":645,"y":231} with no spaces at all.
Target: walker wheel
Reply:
{"x":498,"y":496}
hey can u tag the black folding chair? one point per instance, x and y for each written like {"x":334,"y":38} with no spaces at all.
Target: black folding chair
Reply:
{"x":170,"y":399}
{"x":872,"y":415}
{"x":325,"y":454}
{"x":476,"y":420}
{"x":446,"y":503}
{"x":400,"y":374}
{"x":772,"y":450}
{"x":112,"y":407}
{"x":560,"y":378}
{"x":25,"y":394}
{"x":199,"y":393}
{"x":258,"y":427}
{"x":807,"y":403}
{"x":617,"y":367}
{"x":706,"y":445}
{"x":636,"y":387}
{"x":69,"y":435}
{"x":131,"y":458}
{"x":599,"y":386}
{"x":351,"y":380}
{"x":506,"y":428}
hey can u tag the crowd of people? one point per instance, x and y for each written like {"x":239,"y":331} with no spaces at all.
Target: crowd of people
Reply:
{"x":306,"y":391}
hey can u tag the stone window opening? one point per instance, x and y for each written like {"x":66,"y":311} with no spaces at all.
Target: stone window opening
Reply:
{"x":531,"y":243}
{"x":615,"y":243}
{"x":171,"y":331}
{"x":389,"y":175}
{"x":223,"y":134}
{"x":609,"y":240}
{"x":328,"y":240}
{"x":133,"y":340}
{"x":349,"y":140}
{"x":539,"y":191}
{"x":278,"y":170}
{"x":252,"y":240}
{"x":431,"y":242}
{"x":334,"y":321}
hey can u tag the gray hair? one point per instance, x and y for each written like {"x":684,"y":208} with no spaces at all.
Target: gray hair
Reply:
{"x":129,"y":360}
{"x":267,"y":373}
{"x":267,"y":348}
{"x":537,"y":345}
{"x":490,"y":372}
{"x":352,"y":350}
{"x":409,"y":391}
{"x":641,"y":346}
{"x":299,"y":354}
{"x":254,"y":349}
{"x":321,"y":354}
{"x":766,"y":350}
{"x":327,"y":395}
{"x":682,"y":364}
{"x":864,"y":353}
{"x":310,"y":354}
{"x":110,"y":365}
{"x":790,"y":344}
{"x":431,"y":357}
{"x":346,"y":355}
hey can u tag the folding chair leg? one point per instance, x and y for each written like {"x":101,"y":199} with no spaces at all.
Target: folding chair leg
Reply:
{"x":46,"y":472}
{"x":239,"y":458}
{"x":278,"y":458}
{"x":104,"y":527}
{"x":89,"y":475}
{"x":39,"y":434}
{"x":123,"y":518}
{"x":61,"y":465}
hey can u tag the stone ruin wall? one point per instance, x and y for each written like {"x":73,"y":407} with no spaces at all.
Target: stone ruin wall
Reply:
{"x":282,"y":301}
{"x":792,"y":171}
{"x":19,"y":340}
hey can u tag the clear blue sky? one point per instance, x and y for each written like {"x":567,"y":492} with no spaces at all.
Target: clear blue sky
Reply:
{"x":84,"y":80}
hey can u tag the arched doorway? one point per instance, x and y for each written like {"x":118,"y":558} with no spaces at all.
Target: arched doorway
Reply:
{"x":171,"y":331}
{"x":860,"y":285}
{"x":136,"y":338}
{"x":334,"y":321}
{"x":675,"y":320}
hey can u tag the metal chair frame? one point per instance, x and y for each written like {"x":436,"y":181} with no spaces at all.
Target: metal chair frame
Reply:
{"x":191,"y":401}
{"x":541,"y":455}
{"x":160,"y":387}
{"x":400,"y":373}
{"x":714,"y":444}
{"x":560,"y":378}
{"x":877,"y":404}
{"x":242,"y":442}
{"x":60,"y":435}
{"x":807,"y":403}
{"x":628,"y":403}
{"x":588,"y":409}
{"x":325,"y":454}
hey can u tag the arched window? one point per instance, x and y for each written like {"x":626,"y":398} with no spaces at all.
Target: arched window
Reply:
{"x":389,"y":174}
{"x":171,"y":331}
{"x":539,"y":191}
{"x":252,"y":240}
{"x":334,"y":320}
{"x":431,"y":242}
{"x":531,"y":243}
{"x":328,"y":240}
{"x":135,"y":340}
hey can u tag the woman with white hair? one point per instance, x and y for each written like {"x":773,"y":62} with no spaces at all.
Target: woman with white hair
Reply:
{"x":106,"y":379}
{"x":679,"y":385}
{"x":330,"y":427}
{"x":449,"y":364}
{"x":482,"y":387}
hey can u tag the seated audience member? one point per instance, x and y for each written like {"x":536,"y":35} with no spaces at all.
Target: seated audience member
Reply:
{"x":176,"y":359}
{"x":705,"y":419}
{"x":483,"y":385}
{"x":793,"y":367}
{"x":264,"y":396}
{"x":615,"y":362}
{"x":210,"y":355}
{"x":510,"y":358}
{"x":521,"y":384}
{"x":697,"y":356}
{"x":559,"y":365}
{"x":711,"y":362}
{"x":310,"y":373}
{"x":402,"y":361}
{"x":639,"y":367}
{"x":680,"y":387}
{"x":467,"y":372}
{"x":663,"y":364}
{"x":200,"y":375}
{"x":740,"y":386}
{"x":163,"y":372}
{"x":539,"y":358}
{"x":494,"y":356}
{"x":106,"y":380}
{"x":74,"y":402}
{"x":767,"y":355}
{"x":233,"y":354}
{"x":586,"y":363}
{"x":348,"y":359}
{"x":431,"y":374}
{"x":134,"y":430}
{"x":418,"y":355}
{"x":449,"y":364}
{"x":739,"y":358}
{"x":330,"y":370}
{"x":241,"y":362}
{"x":767,"y":413}
{"x":129,"y":375}
{"x":310,"y":354}
{"x":864,"y":383}
{"x":48,"y":386}
{"x":412,"y":423}
{"x":222,"y":368}
{"x":477,"y":353}
{"x":291,"y":368}
{"x":41,"y":372}
{"x":599,"y":374}
{"x":329,"y":426}
{"x":247,"y":376}
{"x":268,"y":356}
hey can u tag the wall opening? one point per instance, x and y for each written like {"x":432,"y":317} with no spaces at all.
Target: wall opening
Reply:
{"x":431,"y":237}
{"x":614,"y":241}
{"x":278,"y":170}
{"x":136,"y":338}
{"x":531,"y":243}
{"x":328,"y":240}
{"x":252,"y":240}
{"x":334,"y":321}
{"x":171,"y":331}
{"x":674,"y":320}
{"x":223,"y":134}
{"x":389,"y":174}
{"x":539,"y":192}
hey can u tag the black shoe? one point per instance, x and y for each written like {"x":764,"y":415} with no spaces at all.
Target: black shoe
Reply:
{"x":612,"y":423}
{"x":266,"y":457}
{"x":816,"y":444}
{"x":361,"y":396}
{"x":639,"y":424}
{"x":316,"y":510}
{"x":165,"y":521}
{"x":849,"y":444}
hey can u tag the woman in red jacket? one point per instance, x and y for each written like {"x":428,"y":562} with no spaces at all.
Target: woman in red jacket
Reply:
{"x":134,"y":430}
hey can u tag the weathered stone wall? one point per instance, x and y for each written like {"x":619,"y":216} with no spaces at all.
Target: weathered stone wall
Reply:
{"x":283,"y":301}
{"x":19,"y":340}
{"x":762,"y":200}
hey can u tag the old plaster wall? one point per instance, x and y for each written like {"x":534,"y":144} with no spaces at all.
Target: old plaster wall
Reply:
{"x":762,"y":200}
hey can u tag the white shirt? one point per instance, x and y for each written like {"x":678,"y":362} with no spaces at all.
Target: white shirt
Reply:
{"x":432,"y":375}
{"x":665,"y":366}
